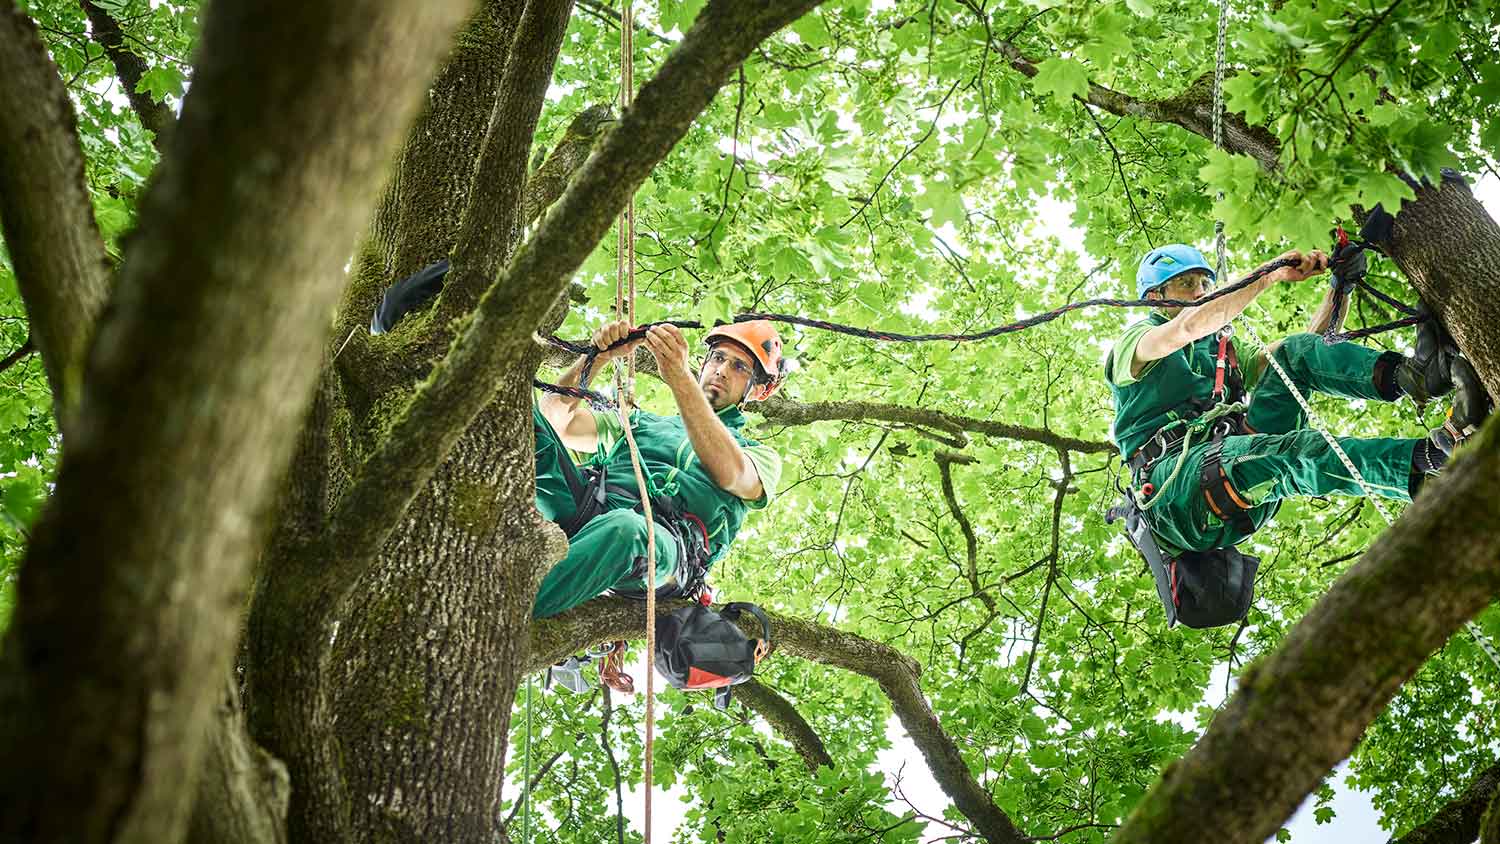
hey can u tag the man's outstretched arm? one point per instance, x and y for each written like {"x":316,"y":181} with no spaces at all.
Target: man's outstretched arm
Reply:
{"x":726,"y":463}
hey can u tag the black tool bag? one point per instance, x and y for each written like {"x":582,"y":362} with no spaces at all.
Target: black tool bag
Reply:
{"x":1198,"y":588}
{"x":697,"y":648}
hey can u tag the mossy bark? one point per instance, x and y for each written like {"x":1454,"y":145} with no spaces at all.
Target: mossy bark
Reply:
{"x":198,"y":373}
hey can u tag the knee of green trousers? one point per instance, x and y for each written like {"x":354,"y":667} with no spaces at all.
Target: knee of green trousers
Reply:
{"x":602,"y":556}
{"x":554,"y":498}
{"x":1339,"y":369}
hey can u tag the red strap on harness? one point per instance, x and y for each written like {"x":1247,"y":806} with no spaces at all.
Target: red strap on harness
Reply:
{"x":1220,"y":364}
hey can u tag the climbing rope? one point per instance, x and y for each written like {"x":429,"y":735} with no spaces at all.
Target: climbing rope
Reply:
{"x":625,"y":389}
{"x":1330,"y":336}
{"x":526,"y":776}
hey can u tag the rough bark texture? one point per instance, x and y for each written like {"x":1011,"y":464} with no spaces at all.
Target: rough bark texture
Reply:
{"x":784,"y":718}
{"x":243,"y":790}
{"x":610,"y":619}
{"x":1458,"y":821}
{"x":156,"y":116}
{"x":61,"y":267}
{"x":195,"y":384}
{"x":1449,"y":247}
{"x":491,"y":226}
{"x":1299,"y":711}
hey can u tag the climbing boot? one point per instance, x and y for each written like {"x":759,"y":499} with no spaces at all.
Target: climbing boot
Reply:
{"x":1425,"y":376}
{"x":1471,"y":406}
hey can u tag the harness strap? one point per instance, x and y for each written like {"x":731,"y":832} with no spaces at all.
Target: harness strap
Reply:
{"x":1222,"y":498}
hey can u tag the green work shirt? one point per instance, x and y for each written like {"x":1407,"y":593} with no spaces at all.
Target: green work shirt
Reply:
{"x":1168,"y":389}
{"x":674,"y":469}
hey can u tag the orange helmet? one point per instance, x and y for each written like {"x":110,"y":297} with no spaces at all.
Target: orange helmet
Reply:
{"x":760,"y":339}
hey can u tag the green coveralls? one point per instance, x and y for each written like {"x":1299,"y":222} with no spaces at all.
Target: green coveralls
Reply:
{"x":1284,"y":459}
{"x":604,"y":554}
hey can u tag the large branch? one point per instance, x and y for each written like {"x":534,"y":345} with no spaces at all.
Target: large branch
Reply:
{"x":492,"y":222}
{"x":784,"y":718}
{"x":1302,"y":709}
{"x":1192,"y":110}
{"x":45,"y":212}
{"x":154,"y":115}
{"x":497,"y":335}
{"x":787,"y":412}
{"x":199,"y":376}
{"x":1457,"y":822}
{"x":896,"y":673}
{"x":547,"y":183}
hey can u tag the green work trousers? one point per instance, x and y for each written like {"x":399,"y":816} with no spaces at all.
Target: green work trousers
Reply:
{"x":1285,"y":459}
{"x":606,"y":553}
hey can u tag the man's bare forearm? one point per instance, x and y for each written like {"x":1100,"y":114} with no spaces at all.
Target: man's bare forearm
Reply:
{"x":726,"y":463}
{"x":1203,"y":320}
{"x":559,"y":409}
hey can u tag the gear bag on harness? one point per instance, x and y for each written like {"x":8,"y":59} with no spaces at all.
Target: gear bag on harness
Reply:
{"x":591,"y":487}
{"x":1197,"y":588}
{"x":697,"y":648}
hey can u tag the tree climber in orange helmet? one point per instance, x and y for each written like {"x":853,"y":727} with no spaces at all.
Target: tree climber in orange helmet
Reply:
{"x":704,"y":474}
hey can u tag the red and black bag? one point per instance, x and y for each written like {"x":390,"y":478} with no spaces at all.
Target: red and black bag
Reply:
{"x":697,"y":648}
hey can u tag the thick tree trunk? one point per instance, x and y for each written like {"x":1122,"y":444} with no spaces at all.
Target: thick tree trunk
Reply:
{"x":196,"y":382}
{"x":1449,"y":247}
{"x":45,"y":211}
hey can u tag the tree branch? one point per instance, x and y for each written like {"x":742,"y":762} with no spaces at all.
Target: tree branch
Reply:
{"x":1191,"y":110}
{"x":783,"y":716}
{"x":491,"y":224}
{"x":785,"y":411}
{"x":47,"y":218}
{"x":497,"y":336}
{"x":547,"y":183}
{"x":1457,"y":822}
{"x":18,"y":355}
{"x":1302,"y":709}
{"x":199,"y":377}
{"x":896,"y":673}
{"x":156,"y":116}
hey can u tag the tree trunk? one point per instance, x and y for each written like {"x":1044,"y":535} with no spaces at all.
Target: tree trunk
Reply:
{"x":197,"y":379}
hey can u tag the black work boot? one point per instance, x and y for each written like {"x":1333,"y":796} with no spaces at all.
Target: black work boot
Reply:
{"x":1471,"y":406}
{"x":1425,"y":376}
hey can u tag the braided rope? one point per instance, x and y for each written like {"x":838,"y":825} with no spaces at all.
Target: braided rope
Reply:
{"x":625,"y":389}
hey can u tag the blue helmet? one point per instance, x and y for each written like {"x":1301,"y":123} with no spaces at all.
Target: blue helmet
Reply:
{"x":1164,"y":263}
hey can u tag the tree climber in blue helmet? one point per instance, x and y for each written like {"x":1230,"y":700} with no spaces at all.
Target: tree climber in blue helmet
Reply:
{"x":1240,"y":463}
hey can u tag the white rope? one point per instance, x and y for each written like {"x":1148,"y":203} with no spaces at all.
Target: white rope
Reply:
{"x":1312,"y":418}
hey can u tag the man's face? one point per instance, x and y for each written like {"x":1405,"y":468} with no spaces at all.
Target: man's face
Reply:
{"x":726,"y":373}
{"x":1190,"y":286}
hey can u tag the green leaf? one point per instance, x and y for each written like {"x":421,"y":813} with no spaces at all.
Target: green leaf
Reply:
{"x":1141,"y":7}
{"x":161,"y":82}
{"x":1061,"y":77}
{"x":944,"y":203}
